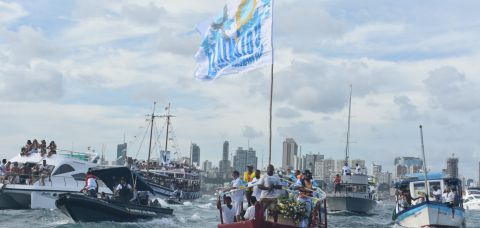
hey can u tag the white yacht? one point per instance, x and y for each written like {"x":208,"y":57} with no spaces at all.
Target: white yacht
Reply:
{"x":67,"y":175}
{"x":471,"y":199}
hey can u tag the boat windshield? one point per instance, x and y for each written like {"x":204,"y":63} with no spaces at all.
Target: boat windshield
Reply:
{"x":474,"y":192}
{"x":420,"y":187}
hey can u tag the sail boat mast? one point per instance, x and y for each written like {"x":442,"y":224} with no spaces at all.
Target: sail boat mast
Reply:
{"x":347,"y":147}
{"x":168,"y":125}
{"x":424,"y":163}
{"x":151,"y":133}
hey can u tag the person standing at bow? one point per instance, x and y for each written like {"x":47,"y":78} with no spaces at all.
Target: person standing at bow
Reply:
{"x":248,"y":176}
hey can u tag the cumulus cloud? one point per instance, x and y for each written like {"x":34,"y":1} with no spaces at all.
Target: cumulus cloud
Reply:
{"x":408,"y":111}
{"x":450,"y":89}
{"x":250,"y":132}
{"x":34,"y":83}
{"x":10,"y":11}
{"x":286,"y":112}
{"x":302,"y":131}
{"x":321,"y":86}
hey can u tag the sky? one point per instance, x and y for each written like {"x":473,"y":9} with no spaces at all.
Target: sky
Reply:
{"x":86,"y":73}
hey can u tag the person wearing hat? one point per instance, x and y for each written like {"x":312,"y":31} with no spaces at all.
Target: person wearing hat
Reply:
{"x":248,"y":177}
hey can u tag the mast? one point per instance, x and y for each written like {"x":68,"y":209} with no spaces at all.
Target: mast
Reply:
{"x":168,"y":124}
{"x":424,"y":164}
{"x":347,"y":147}
{"x":151,"y":133}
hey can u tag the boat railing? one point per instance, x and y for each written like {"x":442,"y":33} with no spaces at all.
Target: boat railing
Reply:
{"x":49,"y":181}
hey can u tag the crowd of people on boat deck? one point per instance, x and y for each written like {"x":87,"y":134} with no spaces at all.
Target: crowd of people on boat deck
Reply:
{"x":28,"y":173}
{"x":34,"y":146}
{"x":267,"y":190}
{"x":449,"y":196}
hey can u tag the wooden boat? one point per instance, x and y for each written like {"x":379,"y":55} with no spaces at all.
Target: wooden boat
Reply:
{"x":260,"y":222}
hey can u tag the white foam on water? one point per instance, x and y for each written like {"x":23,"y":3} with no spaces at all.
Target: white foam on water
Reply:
{"x":187,"y":203}
{"x":206,"y":206}
{"x":195,"y":217}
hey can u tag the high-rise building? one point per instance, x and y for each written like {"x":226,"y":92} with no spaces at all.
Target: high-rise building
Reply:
{"x":242,"y":158}
{"x":207,"y":165}
{"x":376,"y":170}
{"x":290,"y":149}
{"x":224,"y":164}
{"x":225,"y":151}
{"x":309,"y":162}
{"x":325,"y":169}
{"x":121,"y":154}
{"x":452,"y":167}
{"x":195,"y":154}
{"x":406,"y":165}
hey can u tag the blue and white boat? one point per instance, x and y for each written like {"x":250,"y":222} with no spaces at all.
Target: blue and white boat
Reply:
{"x":430,"y":212}
{"x":420,"y":204}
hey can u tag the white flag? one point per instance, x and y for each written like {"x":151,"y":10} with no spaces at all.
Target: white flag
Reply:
{"x":238,"y":40}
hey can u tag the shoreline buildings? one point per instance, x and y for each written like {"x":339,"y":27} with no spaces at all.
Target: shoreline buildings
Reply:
{"x":290,"y":149}
{"x":244,"y":157}
{"x":452,"y":167}
{"x":406,"y":165}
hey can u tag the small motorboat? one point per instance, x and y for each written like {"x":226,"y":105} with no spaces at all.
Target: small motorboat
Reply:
{"x":83,"y":208}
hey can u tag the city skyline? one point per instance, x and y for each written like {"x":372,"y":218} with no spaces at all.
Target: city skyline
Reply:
{"x":86,"y":74}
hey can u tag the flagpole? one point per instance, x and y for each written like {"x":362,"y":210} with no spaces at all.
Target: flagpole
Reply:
{"x":271,"y":98}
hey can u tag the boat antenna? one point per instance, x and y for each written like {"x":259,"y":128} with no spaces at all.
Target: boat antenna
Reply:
{"x":168,"y":124}
{"x":151,"y":132}
{"x":347,"y":147}
{"x":425,"y":172}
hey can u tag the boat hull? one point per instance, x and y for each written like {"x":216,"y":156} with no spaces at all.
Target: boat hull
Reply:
{"x":350,"y":204}
{"x":167,"y":192}
{"x":431,"y":214}
{"x":472,"y":205}
{"x":83,"y":208}
{"x":14,"y":196}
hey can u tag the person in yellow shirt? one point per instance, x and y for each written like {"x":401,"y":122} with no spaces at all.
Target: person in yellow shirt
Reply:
{"x":248,"y":177}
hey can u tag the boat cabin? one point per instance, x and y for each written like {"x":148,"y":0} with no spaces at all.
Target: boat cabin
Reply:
{"x":415,"y":185}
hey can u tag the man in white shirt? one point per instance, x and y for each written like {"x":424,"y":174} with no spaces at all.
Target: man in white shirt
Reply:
{"x":346,"y":169}
{"x":250,"y":213}
{"x":358,"y":169}
{"x":256,"y":190}
{"x":450,"y":196}
{"x":437,"y":193}
{"x":228,"y":210}
{"x":237,"y":195}
{"x":271,"y":189}
{"x":123,"y":190}
{"x":92,"y":186}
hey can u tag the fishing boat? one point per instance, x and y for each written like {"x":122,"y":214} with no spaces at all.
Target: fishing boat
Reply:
{"x":353,"y":195}
{"x":167,"y":177}
{"x":427,"y":211}
{"x":67,"y":168}
{"x":83,"y":208}
{"x":471,"y":199}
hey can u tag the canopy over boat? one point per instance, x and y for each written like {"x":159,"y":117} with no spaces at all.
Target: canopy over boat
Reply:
{"x":111,"y":177}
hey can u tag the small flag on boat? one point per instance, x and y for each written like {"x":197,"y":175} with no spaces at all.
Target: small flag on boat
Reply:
{"x":237,"y":40}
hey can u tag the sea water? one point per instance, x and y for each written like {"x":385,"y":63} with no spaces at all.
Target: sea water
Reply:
{"x":201,"y":213}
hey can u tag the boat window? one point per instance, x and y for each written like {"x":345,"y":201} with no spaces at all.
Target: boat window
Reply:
{"x":79,"y":176}
{"x":431,"y":184}
{"x":417,"y":188}
{"x":65,"y":168}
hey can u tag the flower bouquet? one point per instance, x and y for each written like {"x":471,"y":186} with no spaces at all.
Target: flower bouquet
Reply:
{"x":292,"y":210}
